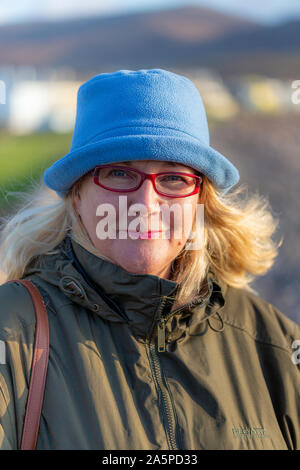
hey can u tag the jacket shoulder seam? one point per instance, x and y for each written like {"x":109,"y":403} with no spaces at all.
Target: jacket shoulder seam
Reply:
{"x":253,"y":336}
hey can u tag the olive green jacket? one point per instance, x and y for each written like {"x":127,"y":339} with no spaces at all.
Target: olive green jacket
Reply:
{"x":127,"y":373}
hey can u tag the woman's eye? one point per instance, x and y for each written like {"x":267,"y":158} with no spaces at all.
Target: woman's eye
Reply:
{"x":174,"y":178}
{"x":118,"y":172}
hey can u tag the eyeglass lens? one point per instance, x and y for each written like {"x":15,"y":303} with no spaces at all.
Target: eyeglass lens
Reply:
{"x":121,"y":179}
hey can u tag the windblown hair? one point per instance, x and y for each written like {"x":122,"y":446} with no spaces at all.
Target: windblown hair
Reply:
{"x":236,"y":241}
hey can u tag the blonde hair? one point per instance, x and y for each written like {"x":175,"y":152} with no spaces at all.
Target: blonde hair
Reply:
{"x":236,"y":241}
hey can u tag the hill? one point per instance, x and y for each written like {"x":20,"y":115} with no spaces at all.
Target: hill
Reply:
{"x":180,"y":37}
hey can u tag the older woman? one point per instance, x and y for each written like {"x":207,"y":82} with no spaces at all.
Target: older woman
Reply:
{"x":157,"y":340}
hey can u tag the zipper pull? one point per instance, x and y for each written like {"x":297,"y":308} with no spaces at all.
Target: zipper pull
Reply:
{"x":161,"y":336}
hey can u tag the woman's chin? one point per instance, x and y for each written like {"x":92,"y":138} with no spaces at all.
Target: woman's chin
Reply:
{"x":141,"y":256}
{"x":142,"y":262}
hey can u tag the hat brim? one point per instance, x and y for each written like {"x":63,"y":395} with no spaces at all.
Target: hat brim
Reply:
{"x":184,"y":150}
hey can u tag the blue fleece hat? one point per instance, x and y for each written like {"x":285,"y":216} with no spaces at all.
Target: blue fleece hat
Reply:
{"x":142,"y":114}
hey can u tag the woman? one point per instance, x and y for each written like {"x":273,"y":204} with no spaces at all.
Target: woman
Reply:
{"x":157,"y":340}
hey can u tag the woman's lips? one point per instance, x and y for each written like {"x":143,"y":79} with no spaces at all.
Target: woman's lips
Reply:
{"x":142,"y":235}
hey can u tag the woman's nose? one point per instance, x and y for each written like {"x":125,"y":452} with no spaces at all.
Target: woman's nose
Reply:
{"x":148,"y":197}
{"x":146,"y":194}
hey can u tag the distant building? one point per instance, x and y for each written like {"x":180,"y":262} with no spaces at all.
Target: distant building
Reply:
{"x":263,"y":95}
{"x":45,"y":99}
{"x":42,"y":106}
{"x":219,"y":102}
{"x":35,"y":100}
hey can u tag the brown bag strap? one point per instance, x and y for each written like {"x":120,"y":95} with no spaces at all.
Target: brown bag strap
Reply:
{"x":38,"y":369}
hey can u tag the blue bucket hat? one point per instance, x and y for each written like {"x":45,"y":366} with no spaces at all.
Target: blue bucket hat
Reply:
{"x":147,"y":114}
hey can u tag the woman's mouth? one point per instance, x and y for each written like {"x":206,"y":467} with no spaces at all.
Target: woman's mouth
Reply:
{"x":150,"y":234}
{"x":144,"y":235}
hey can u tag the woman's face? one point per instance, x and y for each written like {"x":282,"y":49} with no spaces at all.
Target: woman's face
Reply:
{"x":138,"y":253}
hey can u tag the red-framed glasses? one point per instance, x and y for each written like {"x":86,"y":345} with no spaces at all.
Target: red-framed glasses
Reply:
{"x":126,"y":179}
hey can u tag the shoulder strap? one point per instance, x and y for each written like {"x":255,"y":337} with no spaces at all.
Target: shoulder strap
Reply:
{"x":38,"y":369}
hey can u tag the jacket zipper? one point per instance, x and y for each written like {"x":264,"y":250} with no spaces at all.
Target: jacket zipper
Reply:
{"x":167,"y":404}
{"x":161,"y":328}
{"x":161,"y":335}
{"x":160,"y":381}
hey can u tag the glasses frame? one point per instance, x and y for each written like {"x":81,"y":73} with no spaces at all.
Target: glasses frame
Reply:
{"x":151,"y":176}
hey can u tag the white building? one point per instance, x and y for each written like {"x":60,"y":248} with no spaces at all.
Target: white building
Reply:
{"x":219,"y":102}
{"x":36,"y":105}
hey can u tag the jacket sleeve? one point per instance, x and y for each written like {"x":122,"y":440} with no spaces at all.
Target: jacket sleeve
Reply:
{"x":288,"y":386}
{"x":292,"y":417}
{"x":17,"y":329}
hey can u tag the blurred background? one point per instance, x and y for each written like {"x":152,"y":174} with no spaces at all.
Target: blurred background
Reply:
{"x":244,"y":57}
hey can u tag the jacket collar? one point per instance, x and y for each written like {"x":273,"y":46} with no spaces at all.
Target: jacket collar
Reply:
{"x":119,"y":296}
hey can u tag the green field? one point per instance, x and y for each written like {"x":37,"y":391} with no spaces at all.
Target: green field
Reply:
{"x":24,"y":158}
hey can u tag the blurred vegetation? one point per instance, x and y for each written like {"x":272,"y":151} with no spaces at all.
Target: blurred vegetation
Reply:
{"x":24,"y":158}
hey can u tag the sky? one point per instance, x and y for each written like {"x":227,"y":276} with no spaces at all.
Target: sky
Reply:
{"x":266,"y":11}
